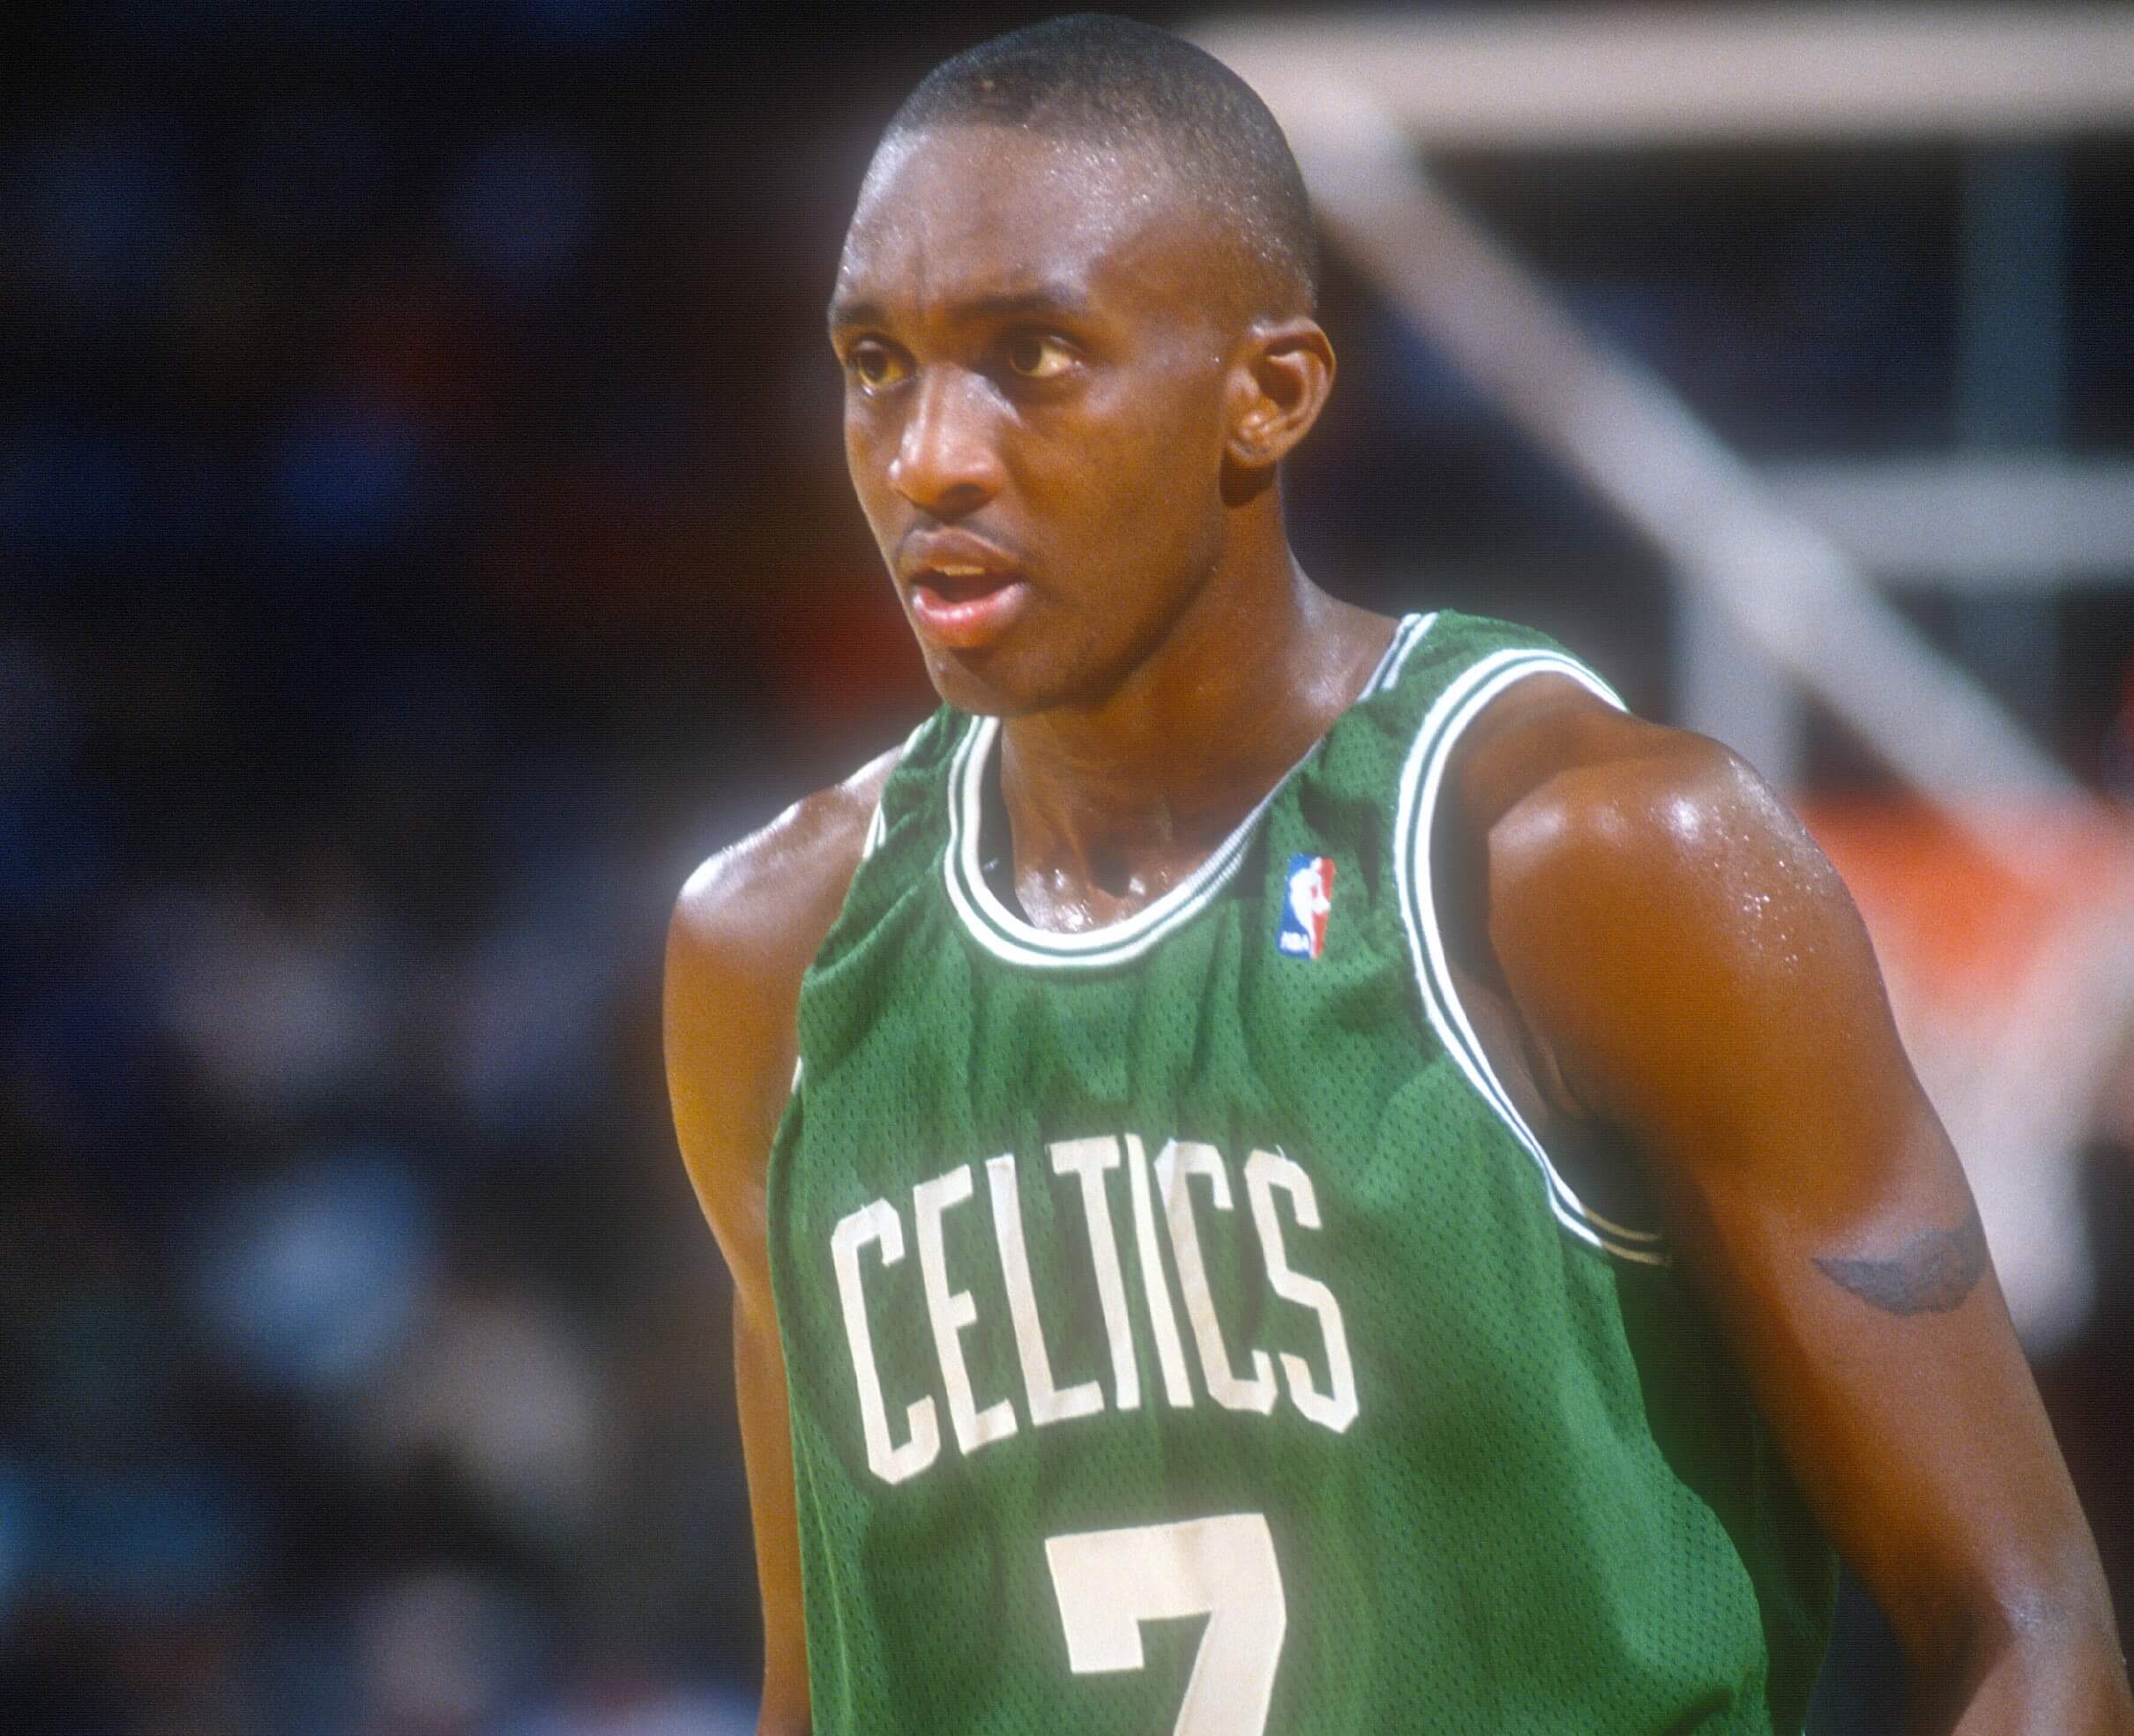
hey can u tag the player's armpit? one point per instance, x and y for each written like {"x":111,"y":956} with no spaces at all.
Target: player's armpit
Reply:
{"x":1702,"y":980}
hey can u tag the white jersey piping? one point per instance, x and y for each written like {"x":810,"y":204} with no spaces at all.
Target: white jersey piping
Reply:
{"x":1421,"y":780}
{"x":1009,"y":937}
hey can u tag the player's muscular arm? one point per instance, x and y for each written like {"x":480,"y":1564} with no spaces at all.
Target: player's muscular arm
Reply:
{"x":1697,"y":976}
{"x":743,"y":931}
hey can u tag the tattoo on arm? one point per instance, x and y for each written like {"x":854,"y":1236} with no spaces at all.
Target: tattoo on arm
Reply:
{"x":1931,"y":1273}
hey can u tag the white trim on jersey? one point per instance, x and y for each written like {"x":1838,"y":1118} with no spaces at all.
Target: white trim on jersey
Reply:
{"x":1009,"y":937}
{"x":1395,"y":658}
{"x":1420,"y":781}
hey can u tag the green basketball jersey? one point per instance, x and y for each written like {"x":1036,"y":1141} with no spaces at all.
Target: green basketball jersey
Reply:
{"x":1185,"y":1333}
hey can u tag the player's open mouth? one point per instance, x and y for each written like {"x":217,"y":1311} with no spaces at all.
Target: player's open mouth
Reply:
{"x":960,"y":584}
{"x":962,"y":608}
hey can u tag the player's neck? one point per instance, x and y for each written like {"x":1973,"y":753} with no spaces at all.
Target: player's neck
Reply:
{"x":1110,"y":803}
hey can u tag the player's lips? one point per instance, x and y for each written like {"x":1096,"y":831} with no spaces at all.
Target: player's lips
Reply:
{"x":963,"y":592}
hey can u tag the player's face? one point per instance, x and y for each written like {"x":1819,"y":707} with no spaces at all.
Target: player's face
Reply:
{"x":1034,"y":349}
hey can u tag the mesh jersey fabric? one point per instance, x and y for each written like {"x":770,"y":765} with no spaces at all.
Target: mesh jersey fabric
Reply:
{"x":1183,"y":1331}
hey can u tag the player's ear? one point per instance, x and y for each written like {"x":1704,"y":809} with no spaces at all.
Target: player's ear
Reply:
{"x":1277,"y":389}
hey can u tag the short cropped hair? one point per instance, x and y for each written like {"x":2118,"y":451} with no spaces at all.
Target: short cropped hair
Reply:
{"x":1111,"y":81}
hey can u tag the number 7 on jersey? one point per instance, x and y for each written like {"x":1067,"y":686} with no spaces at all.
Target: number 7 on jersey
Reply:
{"x":1109,"y":1582}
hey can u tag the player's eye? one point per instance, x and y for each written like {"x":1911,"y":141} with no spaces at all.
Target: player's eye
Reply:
{"x":1037,"y":355}
{"x":874,"y":364}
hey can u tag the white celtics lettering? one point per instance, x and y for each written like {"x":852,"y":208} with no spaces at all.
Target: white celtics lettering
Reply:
{"x":1264,"y":1171}
{"x":1169,"y":1352}
{"x":952,"y":1313}
{"x":1196,"y":1210}
{"x":1093,"y":1159}
{"x":1048,"y":1403}
{"x":893,"y":1464}
{"x":1180,"y":1161}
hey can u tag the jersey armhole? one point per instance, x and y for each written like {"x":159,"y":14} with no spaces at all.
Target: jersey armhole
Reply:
{"x":1421,"y":782}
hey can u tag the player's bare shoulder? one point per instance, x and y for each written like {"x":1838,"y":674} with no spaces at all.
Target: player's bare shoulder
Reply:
{"x":1580,"y":802}
{"x":745,"y":928}
{"x":1660,"y":915}
{"x":763,"y":904}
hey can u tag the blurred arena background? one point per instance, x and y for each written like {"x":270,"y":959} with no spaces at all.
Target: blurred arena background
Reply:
{"x":423,"y":537}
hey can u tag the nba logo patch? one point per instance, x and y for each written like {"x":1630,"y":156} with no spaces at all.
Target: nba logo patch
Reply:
{"x":1304,"y":931}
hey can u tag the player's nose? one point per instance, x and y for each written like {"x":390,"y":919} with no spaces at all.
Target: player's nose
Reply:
{"x":946,"y":463}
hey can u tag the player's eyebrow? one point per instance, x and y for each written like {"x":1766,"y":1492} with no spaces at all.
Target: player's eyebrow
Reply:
{"x":846,"y":313}
{"x":1059,"y":299}
{"x":1045,"y":298}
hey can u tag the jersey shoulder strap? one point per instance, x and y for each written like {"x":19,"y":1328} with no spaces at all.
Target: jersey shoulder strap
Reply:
{"x":904,"y":835}
{"x":1448,"y":675}
{"x":916,"y":783}
{"x":1468,"y":661}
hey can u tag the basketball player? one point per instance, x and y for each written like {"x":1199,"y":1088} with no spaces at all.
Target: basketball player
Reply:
{"x":1285,"y":1170}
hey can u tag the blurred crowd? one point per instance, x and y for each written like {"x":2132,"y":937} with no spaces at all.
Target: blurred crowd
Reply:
{"x":423,"y":537}
{"x":366,"y":1359}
